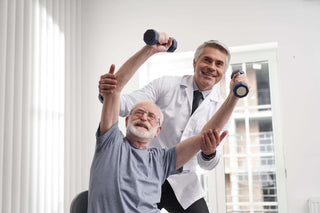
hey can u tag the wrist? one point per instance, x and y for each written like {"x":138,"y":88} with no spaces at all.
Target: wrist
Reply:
{"x":149,"y":50}
{"x":232,"y":99}
{"x":100,"y":98}
{"x":208,"y":157}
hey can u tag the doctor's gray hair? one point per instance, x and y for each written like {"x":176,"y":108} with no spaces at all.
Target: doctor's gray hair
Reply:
{"x":215,"y":44}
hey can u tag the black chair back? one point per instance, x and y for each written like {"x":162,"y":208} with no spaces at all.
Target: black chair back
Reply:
{"x":79,"y":204}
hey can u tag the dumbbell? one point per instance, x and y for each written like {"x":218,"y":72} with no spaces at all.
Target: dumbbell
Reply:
{"x":240,"y":89}
{"x":151,"y":37}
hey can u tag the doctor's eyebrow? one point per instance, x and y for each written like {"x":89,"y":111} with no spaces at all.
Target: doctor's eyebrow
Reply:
{"x":210,"y":60}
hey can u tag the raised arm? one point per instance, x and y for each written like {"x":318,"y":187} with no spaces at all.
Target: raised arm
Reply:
{"x":189,"y":147}
{"x":111,"y":103}
{"x":222,"y":116}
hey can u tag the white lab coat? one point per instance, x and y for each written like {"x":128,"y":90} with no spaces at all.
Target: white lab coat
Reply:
{"x":174,"y":95}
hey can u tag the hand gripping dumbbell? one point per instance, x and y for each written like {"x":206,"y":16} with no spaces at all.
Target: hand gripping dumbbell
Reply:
{"x":151,"y":37}
{"x":240,"y":89}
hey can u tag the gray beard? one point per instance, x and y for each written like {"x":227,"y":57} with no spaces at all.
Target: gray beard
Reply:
{"x":147,"y":134}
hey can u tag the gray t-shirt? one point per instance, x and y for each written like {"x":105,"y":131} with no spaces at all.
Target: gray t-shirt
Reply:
{"x":124,"y":178}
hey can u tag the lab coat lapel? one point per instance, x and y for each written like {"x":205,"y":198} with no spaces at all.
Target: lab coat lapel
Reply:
{"x":202,"y":114}
{"x":187,"y":83}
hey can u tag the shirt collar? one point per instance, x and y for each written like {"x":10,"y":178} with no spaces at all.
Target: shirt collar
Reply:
{"x":187,"y":81}
{"x":204,"y":93}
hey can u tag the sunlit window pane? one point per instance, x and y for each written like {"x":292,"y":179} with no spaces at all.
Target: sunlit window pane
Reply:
{"x":250,"y":176}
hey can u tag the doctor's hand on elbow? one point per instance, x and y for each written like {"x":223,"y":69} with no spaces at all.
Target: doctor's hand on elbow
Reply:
{"x":210,"y":140}
{"x":108,"y":82}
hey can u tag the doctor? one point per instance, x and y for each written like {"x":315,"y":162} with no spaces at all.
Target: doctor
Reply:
{"x":178,"y":98}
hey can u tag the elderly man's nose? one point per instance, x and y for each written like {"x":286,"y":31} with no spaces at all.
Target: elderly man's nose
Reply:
{"x":144,"y":116}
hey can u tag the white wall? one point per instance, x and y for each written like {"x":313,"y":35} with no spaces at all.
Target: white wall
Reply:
{"x":113,"y":30}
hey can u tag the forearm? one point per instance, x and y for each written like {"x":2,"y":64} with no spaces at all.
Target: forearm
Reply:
{"x":186,"y":149}
{"x":129,"y":68}
{"x":110,"y":112}
{"x":221,"y":117}
{"x":111,"y":103}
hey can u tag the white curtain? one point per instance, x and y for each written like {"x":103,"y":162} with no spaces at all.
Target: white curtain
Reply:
{"x":40,"y":105}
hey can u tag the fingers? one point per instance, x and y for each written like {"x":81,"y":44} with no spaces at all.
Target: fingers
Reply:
{"x":108,"y":81}
{"x":210,"y":140}
{"x":223,"y":135}
{"x":163,"y":38}
{"x":164,"y":42}
{"x":237,"y":77}
{"x":169,"y":43}
{"x":107,"y":85}
{"x":112,"y":68}
{"x":240,"y":77}
{"x":108,"y":77}
{"x":204,"y":142}
{"x":220,"y":137}
{"x":110,"y":74}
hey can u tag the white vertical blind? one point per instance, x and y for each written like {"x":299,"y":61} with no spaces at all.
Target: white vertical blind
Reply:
{"x":39,"y":86}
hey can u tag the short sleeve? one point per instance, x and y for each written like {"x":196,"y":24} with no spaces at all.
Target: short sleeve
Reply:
{"x":169,"y":162}
{"x":112,"y":135}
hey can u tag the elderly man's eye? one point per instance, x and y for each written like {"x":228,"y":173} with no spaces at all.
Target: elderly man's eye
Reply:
{"x":152,"y":116}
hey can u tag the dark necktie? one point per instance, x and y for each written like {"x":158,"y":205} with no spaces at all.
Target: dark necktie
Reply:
{"x":197,"y":96}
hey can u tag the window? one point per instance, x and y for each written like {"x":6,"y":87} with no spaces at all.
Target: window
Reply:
{"x":39,"y":104}
{"x":249,"y":160}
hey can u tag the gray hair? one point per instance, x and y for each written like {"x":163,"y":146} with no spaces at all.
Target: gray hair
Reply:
{"x":215,"y":44}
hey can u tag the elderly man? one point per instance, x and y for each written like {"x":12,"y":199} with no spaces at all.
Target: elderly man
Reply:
{"x":126,"y":176}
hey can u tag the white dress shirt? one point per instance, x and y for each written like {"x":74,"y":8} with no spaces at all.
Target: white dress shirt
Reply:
{"x":174,"y":95}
